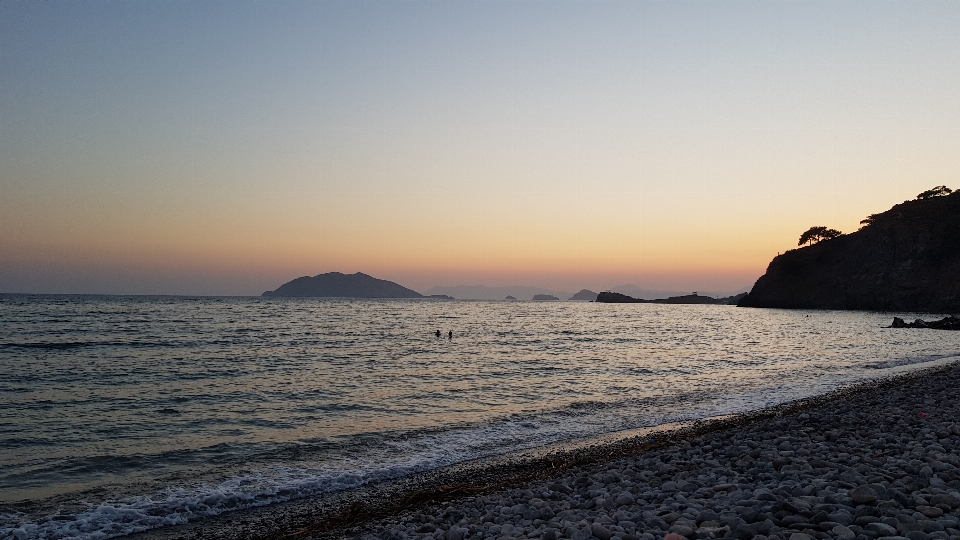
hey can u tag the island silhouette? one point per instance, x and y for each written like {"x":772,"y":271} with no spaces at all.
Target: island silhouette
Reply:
{"x":585,"y":295}
{"x":360,"y":285}
{"x":610,"y":297}
{"x":337,"y":285}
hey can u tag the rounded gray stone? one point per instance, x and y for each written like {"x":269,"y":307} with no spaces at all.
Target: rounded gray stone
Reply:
{"x":930,"y":511}
{"x":843,"y":532}
{"x":863,"y":495}
{"x":600,"y":531}
{"x":945,"y":499}
{"x":881,"y":528}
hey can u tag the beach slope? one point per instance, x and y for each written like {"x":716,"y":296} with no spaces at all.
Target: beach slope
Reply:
{"x":876,"y":460}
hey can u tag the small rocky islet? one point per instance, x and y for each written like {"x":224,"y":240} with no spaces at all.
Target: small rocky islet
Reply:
{"x":947,"y":323}
{"x":879,"y":464}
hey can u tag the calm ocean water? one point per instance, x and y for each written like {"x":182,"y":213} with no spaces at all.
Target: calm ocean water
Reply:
{"x":121,"y":414}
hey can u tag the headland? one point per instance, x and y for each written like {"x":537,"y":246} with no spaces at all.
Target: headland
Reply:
{"x":904,"y":259}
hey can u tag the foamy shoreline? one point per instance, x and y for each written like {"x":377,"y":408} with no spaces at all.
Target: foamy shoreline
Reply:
{"x":757,"y":474}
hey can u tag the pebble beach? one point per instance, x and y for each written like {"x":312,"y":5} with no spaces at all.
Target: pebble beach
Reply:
{"x":877,"y":462}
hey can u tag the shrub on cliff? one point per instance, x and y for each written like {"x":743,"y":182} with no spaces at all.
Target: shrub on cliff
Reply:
{"x":938,"y":191}
{"x":869,"y":220}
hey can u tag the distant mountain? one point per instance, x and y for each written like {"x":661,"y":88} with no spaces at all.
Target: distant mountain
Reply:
{"x":335,"y":284}
{"x":509,"y":297}
{"x":482,"y":292}
{"x":584,"y":295}
{"x":904,"y":259}
{"x":544,"y":297}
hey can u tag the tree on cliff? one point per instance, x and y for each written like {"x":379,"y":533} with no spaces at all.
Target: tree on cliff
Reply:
{"x":868,"y":220}
{"x":938,"y":191}
{"x":816,"y":234}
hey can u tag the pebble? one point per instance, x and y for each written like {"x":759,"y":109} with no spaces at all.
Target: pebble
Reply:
{"x":859,"y":468}
{"x":929,"y":511}
{"x":843,"y":532}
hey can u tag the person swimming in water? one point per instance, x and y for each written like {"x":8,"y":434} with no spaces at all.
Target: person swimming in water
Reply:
{"x":450,"y":335}
{"x":438,"y":334}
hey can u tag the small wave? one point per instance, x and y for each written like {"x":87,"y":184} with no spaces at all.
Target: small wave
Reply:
{"x":51,"y":346}
{"x":903,"y":362}
{"x":175,"y":506}
{"x":68,"y":345}
{"x":403,"y":454}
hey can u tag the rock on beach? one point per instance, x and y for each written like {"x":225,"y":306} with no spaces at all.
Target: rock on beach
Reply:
{"x":862,"y":467}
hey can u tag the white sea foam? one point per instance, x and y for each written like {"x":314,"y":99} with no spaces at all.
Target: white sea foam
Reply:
{"x":904,"y":362}
{"x":179,"y":505}
{"x":396,"y":458}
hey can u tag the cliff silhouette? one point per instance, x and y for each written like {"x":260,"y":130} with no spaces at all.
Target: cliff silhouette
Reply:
{"x":335,"y":284}
{"x":904,"y":259}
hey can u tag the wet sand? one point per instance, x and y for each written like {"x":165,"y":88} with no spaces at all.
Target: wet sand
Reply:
{"x":876,"y":460}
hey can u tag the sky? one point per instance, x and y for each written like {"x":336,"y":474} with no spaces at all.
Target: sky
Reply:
{"x":227,"y":147}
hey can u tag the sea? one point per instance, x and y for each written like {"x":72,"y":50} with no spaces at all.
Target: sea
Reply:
{"x":120,"y":414}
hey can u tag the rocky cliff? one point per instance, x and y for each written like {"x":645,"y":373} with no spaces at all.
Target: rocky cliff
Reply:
{"x":904,"y":259}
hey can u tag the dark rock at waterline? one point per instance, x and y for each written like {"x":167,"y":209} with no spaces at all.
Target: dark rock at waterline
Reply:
{"x":608,"y":297}
{"x":732,"y":300}
{"x":946,"y":323}
{"x":687,"y":299}
{"x":904,"y":259}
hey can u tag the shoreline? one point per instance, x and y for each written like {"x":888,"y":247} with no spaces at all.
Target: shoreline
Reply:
{"x":385,"y":510}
